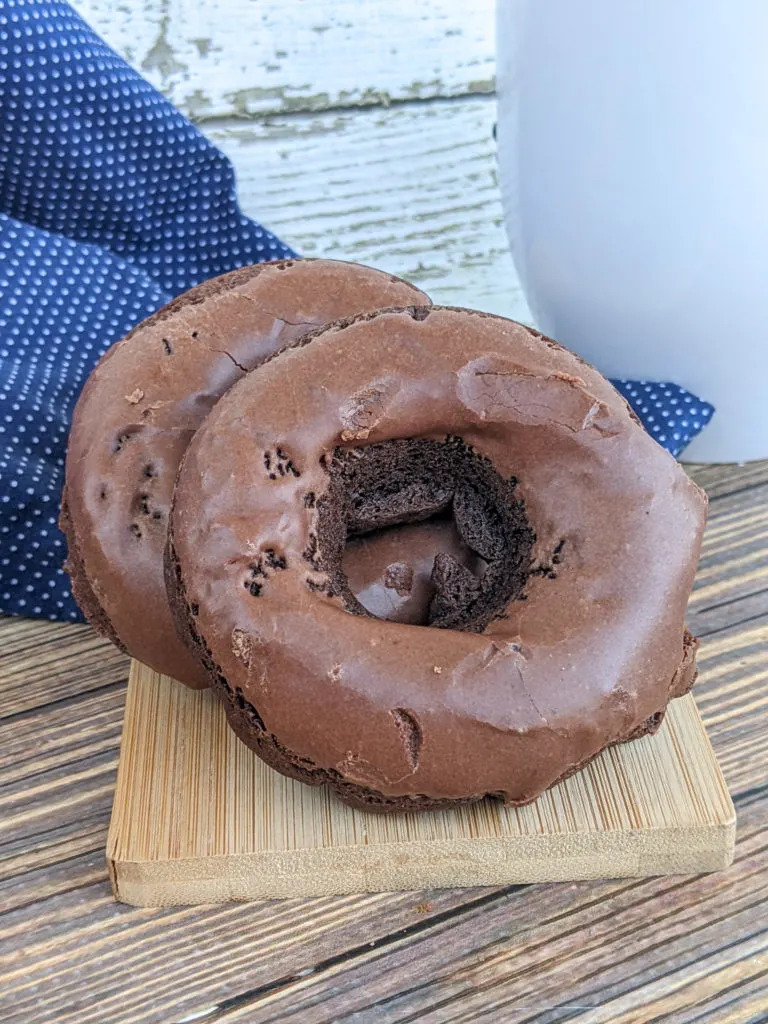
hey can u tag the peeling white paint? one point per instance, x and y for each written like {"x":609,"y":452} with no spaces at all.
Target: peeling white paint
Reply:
{"x":411,"y":189}
{"x":245,"y":57}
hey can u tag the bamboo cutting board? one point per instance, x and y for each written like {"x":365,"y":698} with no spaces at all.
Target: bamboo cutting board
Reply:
{"x":198,"y":818}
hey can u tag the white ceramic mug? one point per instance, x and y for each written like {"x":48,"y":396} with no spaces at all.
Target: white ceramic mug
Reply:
{"x":633,"y":158}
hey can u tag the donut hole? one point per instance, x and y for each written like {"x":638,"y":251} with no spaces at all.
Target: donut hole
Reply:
{"x":390,"y":571}
{"x":452,"y":542}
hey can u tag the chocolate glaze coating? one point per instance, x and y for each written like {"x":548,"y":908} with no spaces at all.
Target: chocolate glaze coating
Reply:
{"x":142,"y":404}
{"x":394,"y":715}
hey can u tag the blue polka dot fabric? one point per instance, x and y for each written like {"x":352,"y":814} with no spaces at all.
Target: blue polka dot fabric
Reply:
{"x":111,"y":203}
{"x":669,"y":413}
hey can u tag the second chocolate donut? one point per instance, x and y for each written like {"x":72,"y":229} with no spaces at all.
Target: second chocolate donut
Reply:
{"x":141,"y":406}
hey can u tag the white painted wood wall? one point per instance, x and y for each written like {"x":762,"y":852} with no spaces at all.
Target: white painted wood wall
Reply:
{"x":359,"y":129}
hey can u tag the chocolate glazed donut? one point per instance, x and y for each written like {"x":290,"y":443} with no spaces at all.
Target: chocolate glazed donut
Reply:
{"x":562,"y":631}
{"x":141,"y":406}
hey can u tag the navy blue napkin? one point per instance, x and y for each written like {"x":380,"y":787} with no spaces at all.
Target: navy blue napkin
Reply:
{"x":112,"y":203}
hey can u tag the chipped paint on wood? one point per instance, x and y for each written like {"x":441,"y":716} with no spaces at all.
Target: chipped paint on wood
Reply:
{"x":410,"y":189}
{"x":242,"y":58}
{"x":405,"y":185}
{"x":161,"y":58}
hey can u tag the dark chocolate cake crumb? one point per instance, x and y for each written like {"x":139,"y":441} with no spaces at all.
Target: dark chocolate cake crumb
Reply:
{"x":395,"y":482}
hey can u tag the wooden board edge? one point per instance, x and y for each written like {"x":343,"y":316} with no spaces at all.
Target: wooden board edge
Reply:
{"x":462,"y":863}
{"x":122,"y":782}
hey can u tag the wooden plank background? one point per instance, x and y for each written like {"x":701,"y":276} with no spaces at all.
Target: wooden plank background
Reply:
{"x":423,"y":202}
{"x":405,"y":185}
{"x":218,"y":58}
{"x":411,"y":189}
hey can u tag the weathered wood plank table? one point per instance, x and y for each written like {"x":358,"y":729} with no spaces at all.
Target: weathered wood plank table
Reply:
{"x":364,"y":130}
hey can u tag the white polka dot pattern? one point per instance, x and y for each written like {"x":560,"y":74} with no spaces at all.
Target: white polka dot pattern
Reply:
{"x":111,"y":203}
{"x":669,"y":413}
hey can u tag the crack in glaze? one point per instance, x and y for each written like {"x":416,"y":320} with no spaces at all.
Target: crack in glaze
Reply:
{"x":223,"y":352}
{"x":529,"y":695}
{"x":277,"y":316}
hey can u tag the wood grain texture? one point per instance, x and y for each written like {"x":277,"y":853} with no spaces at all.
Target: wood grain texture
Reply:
{"x":689,"y":949}
{"x":245,"y":57}
{"x":613,"y":951}
{"x":197,"y":818}
{"x":38,"y":659}
{"x":433,"y":217}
